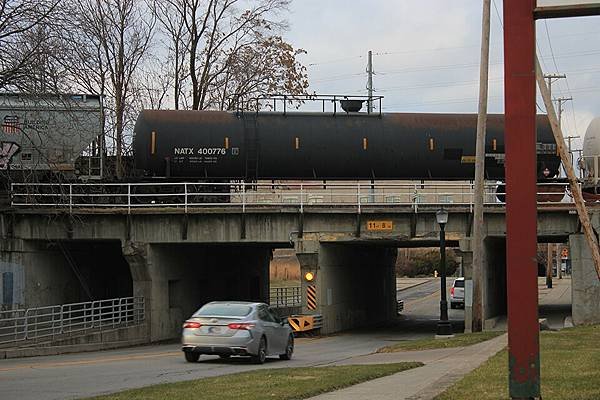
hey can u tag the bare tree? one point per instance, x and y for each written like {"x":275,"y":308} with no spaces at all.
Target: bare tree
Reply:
{"x":119,"y":34}
{"x":21,"y":38}
{"x":268,"y":66}
{"x":228,"y":48}
{"x":171,"y":14}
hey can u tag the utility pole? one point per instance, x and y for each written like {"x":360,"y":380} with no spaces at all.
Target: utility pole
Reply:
{"x":584,"y":217}
{"x":561,"y":101}
{"x":370,"y":81}
{"x":571,"y":151}
{"x":551,"y":78}
{"x":479,"y":188}
{"x":370,"y":108}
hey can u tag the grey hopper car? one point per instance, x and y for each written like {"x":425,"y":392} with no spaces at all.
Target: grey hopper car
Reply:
{"x":45,"y":134}
{"x":230,"y":145}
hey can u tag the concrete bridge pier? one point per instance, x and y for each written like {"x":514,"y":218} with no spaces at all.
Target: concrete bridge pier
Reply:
{"x":585,"y":284}
{"x":355,"y":283}
{"x":493,"y":281}
{"x":177,"y":279}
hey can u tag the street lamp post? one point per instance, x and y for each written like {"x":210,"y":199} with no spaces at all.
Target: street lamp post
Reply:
{"x":444,"y":328}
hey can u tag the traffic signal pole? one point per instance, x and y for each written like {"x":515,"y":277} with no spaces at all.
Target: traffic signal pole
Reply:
{"x":521,"y":207}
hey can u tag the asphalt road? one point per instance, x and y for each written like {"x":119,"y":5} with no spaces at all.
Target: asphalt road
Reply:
{"x":422,"y":310}
{"x":88,"y":374}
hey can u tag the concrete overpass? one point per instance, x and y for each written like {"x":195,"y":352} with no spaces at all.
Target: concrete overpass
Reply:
{"x":178,"y":256}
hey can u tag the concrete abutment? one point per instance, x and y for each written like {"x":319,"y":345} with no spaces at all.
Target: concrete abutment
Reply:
{"x":585,"y":283}
{"x":355,"y":284}
{"x":38,"y":273}
{"x":177,"y":279}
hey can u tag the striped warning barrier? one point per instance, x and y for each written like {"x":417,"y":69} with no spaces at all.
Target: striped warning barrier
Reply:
{"x":311,"y":297}
{"x":304,"y":323}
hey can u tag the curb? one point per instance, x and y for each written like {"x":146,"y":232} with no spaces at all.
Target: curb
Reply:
{"x":68,"y":349}
{"x":415,"y":285}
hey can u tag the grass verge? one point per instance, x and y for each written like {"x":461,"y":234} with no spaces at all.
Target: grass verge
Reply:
{"x":284,"y":383}
{"x":459,"y":340}
{"x":569,"y":369}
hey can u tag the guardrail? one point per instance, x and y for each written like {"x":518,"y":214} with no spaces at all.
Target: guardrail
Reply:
{"x":51,"y":321}
{"x":281,"y":297}
{"x":186,"y":196}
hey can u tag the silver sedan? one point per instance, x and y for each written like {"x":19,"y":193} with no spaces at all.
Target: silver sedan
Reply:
{"x":227,"y":328}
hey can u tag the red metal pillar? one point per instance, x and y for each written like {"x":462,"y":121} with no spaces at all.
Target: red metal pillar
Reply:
{"x":521,"y":210}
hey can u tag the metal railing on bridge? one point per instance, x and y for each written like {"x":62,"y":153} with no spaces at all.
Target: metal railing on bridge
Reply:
{"x":51,"y":322}
{"x":190,"y":196}
{"x":282,"y":297}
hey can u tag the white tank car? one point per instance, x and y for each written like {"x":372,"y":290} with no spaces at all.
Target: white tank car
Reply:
{"x":591,"y":150}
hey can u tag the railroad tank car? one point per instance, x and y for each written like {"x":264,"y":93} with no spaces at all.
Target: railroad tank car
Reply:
{"x":299,"y":145}
{"x":590,"y":162}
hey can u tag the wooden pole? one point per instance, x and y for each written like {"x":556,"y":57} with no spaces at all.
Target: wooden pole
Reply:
{"x":572,"y":178}
{"x":479,"y":189}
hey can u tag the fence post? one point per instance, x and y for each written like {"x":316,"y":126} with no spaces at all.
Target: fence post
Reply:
{"x":358,"y":195}
{"x":70,"y":198}
{"x":301,"y":198}
{"x":186,"y":197}
{"x":129,"y":198}
{"x":62,"y":320}
{"x":416,"y":198}
{"x":243,"y":196}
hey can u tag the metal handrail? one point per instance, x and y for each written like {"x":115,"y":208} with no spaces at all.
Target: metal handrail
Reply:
{"x":281,"y":297}
{"x":192,"y":195}
{"x":52,"y":321}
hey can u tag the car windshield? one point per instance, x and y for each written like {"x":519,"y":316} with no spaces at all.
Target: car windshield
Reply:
{"x":223,"y":309}
{"x":460,"y":283}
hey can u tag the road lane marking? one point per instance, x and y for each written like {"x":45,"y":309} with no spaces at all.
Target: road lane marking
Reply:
{"x":90,"y":362}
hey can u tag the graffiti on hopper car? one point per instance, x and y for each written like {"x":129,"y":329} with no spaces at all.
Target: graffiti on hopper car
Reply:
{"x":7,"y":151}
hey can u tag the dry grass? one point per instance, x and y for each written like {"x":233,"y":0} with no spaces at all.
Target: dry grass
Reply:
{"x":570,"y":360}
{"x":280,"y":384}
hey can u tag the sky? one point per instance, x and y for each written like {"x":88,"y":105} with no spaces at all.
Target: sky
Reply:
{"x":426,"y":54}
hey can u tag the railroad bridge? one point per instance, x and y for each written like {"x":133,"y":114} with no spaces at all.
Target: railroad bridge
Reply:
{"x":69,"y":243}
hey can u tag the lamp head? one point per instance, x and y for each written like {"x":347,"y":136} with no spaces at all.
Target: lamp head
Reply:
{"x":441,"y":216}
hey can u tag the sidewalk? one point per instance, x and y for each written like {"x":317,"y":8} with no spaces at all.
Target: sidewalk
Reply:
{"x":443,"y":367}
{"x":559,"y":294}
{"x":407,"y":283}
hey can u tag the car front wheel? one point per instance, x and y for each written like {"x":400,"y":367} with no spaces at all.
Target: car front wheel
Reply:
{"x":191,"y":356}
{"x":261,"y":355}
{"x":289,"y":349}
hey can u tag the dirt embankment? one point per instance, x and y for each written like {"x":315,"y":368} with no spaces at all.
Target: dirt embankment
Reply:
{"x":284,"y":265}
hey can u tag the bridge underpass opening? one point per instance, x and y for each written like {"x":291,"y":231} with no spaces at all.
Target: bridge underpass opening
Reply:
{"x":177,"y":279}
{"x":59,"y":272}
{"x":554,"y":303}
{"x":554,"y":282}
{"x":353,"y":286}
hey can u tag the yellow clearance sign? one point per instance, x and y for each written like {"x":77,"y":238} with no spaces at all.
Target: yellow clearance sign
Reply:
{"x":380,"y":226}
